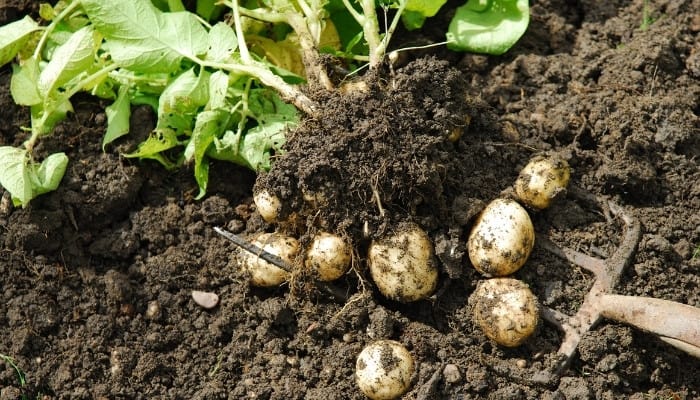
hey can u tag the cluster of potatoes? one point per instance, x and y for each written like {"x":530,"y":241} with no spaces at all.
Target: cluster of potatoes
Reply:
{"x":404,"y":268}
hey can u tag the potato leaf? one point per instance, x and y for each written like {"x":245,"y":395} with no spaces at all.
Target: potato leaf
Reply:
{"x":222,"y":43}
{"x":25,"y":179}
{"x":488,"y":26}
{"x":47,"y":175}
{"x":69,"y":60}
{"x":158,"y":141}
{"x":13,"y":36}
{"x":118,"y":114}
{"x":46,"y":116}
{"x":417,"y":11}
{"x":23,"y":85}
{"x":208,"y":126}
{"x":141,"y":37}
{"x":181,"y":100}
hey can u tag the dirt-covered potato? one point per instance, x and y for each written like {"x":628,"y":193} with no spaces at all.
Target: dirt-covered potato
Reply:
{"x":268,"y":205}
{"x":262,"y":273}
{"x":403,"y":265}
{"x":541,"y":180}
{"x":506,"y":310}
{"x":328,"y":256}
{"x":501,"y":239}
{"x":383,"y":370}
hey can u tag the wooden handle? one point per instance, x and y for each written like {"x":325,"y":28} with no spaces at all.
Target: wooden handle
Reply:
{"x":676,"y":323}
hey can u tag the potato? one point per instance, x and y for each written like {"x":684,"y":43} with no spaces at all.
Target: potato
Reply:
{"x":506,"y":310}
{"x":263,"y":273}
{"x":501,"y":239}
{"x":383,"y":370}
{"x":403,"y":265}
{"x":542,"y":179}
{"x":269,"y":206}
{"x":328,"y":256}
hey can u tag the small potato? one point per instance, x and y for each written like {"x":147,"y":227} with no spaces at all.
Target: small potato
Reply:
{"x":268,"y":205}
{"x":383,"y":370}
{"x":542,"y":179}
{"x":403,"y":265}
{"x":328,"y":256}
{"x":506,"y":310}
{"x":262,"y":273}
{"x":501,"y":239}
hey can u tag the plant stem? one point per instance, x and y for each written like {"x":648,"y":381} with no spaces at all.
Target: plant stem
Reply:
{"x":49,"y":29}
{"x":65,"y":96}
{"x":242,"y":47}
{"x":261,"y":72}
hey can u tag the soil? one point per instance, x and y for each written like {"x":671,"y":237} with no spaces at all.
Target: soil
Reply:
{"x":97,"y":276}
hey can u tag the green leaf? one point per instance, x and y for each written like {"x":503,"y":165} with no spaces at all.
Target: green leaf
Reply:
{"x":157,"y":142}
{"x":182,"y":99}
{"x":488,"y":26}
{"x":69,"y":60}
{"x":23,"y":84}
{"x":209,"y":125}
{"x":222,"y":43}
{"x":255,"y":148}
{"x":46,"y":116}
{"x":47,"y":176}
{"x":118,"y":114}
{"x":13,"y":36}
{"x":25,"y":179}
{"x":218,"y":88}
{"x":141,"y":37}
{"x":14,"y":174}
{"x":417,"y":11}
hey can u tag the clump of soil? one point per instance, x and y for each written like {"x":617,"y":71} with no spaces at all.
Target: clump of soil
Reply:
{"x":398,"y":151}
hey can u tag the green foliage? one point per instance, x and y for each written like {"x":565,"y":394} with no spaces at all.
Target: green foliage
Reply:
{"x":208,"y":101}
{"x":488,"y":26}
{"x":215,"y":97}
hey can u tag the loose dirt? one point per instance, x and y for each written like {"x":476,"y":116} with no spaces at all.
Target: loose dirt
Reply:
{"x":96,"y":278}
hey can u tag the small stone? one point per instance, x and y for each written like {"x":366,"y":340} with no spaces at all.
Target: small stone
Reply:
{"x":207,"y":300}
{"x":451,"y":373}
{"x":521,"y":363}
{"x":153,"y":310}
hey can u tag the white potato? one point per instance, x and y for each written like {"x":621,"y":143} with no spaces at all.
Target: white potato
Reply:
{"x":541,"y":180}
{"x":501,"y":239}
{"x":506,"y":310}
{"x":263,"y":273}
{"x":383,"y":370}
{"x":269,"y":206}
{"x":328,"y":256}
{"x":403,"y":265}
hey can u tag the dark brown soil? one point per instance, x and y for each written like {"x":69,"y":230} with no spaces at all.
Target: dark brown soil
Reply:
{"x":96,"y":277}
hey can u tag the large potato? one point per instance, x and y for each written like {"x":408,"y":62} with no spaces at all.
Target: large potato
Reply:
{"x":506,"y":310}
{"x":263,"y":273}
{"x":541,"y":180}
{"x":383,"y":370}
{"x":403,"y":265}
{"x":501,"y":239}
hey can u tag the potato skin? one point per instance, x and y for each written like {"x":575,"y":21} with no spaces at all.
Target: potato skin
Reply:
{"x":262,"y":273}
{"x":541,"y":180}
{"x":269,"y":206}
{"x":506,"y":310}
{"x":403,"y":265}
{"x":501,"y":239}
{"x":383,"y":370}
{"x":328,"y":256}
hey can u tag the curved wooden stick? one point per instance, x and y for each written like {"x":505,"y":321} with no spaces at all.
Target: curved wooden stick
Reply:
{"x":676,"y":323}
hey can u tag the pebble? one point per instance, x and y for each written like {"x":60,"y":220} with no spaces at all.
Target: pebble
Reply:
{"x":451,"y":373}
{"x":207,"y":300}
